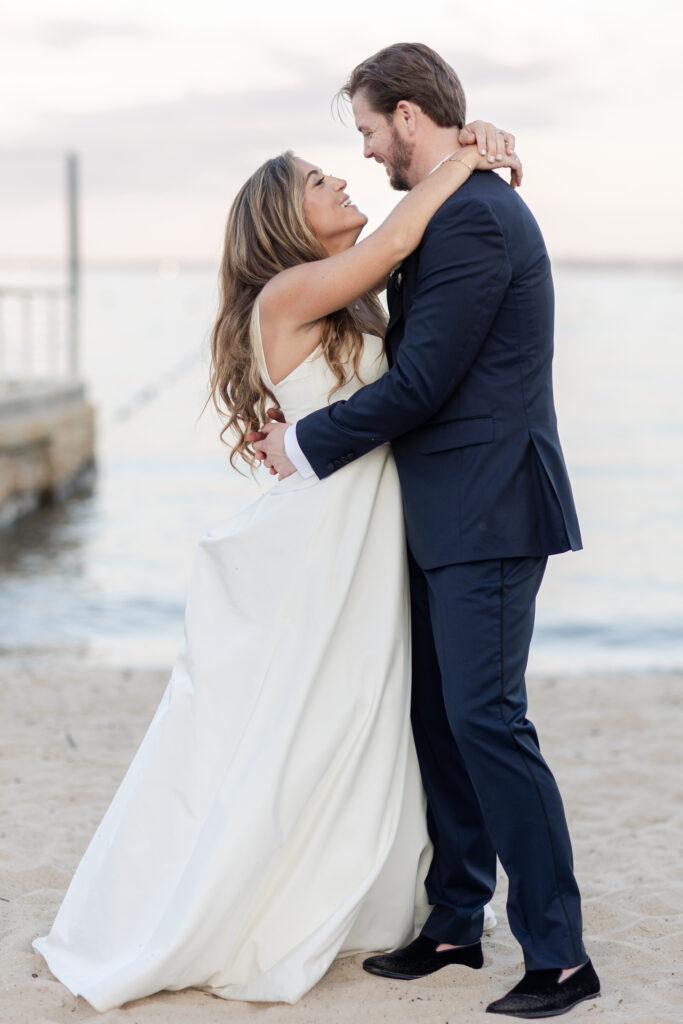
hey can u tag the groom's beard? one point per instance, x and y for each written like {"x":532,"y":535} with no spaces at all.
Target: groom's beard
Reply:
{"x":400,"y":158}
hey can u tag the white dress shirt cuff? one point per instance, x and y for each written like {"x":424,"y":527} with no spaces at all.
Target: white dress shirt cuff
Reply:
{"x":295,"y":455}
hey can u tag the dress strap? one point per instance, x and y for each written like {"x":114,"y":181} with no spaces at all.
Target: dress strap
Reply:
{"x":257,"y":343}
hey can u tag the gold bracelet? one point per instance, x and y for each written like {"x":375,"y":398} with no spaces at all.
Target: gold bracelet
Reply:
{"x":459,"y":160}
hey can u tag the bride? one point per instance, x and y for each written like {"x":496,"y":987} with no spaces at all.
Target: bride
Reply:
{"x":273,"y":817}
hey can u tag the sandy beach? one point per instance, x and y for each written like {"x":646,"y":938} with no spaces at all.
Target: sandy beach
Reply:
{"x":69,"y":729}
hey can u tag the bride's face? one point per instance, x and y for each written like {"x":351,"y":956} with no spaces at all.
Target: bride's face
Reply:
{"x":335,"y":221}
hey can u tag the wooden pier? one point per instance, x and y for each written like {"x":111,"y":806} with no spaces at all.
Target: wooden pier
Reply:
{"x":47,"y":425}
{"x":47,"y":444}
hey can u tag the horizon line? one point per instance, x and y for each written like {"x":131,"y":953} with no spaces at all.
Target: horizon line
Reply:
{"x":172,"y":265}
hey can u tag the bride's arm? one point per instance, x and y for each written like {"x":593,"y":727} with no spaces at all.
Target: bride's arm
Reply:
{"x":306,"y":293}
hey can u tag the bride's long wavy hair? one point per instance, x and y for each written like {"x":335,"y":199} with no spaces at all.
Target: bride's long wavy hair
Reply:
{"x":267,"y":232}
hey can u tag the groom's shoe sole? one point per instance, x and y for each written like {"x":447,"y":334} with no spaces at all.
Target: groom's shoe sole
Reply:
{"x":538,"y":1014}
{"x":420,"y":958}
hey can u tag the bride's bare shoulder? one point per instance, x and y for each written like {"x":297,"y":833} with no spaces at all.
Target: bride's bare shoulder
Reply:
{"x":285,"y":344}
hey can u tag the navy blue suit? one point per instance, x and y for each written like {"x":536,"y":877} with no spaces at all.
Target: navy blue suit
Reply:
{"x":468,"y":406}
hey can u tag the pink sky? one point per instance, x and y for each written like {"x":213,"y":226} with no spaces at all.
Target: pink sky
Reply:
{"x":171,"y":105}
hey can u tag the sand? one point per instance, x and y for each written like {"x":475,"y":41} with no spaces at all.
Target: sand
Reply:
{"x":68,"y":731}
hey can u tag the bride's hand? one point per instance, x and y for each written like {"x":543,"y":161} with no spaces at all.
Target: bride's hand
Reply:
{"x":491,"y":142}
{"x":493,"y":145}
{"x":473,"y":158}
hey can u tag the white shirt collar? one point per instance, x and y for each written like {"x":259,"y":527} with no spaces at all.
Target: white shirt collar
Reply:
{"x":447,"y":157}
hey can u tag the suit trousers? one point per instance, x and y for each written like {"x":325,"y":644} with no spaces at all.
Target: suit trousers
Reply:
{"x":489,"y":790}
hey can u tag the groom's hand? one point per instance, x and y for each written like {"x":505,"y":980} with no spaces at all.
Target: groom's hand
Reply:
{"x":273,"y":448}
{"x":269,"y":444}
{"x":254,"y":437}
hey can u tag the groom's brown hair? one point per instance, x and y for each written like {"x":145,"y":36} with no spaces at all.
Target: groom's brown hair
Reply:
{"x":414,"y":72}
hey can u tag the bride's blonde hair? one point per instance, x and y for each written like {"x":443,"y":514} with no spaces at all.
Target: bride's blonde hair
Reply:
{"x":267,"y":232}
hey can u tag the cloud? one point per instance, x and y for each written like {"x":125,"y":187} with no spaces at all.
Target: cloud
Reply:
{"x":179,"y":153}
{"x":211,"y":142}
{"x":184,"y":143}
{"x":477,"y":69}
{"x":71,"y":33}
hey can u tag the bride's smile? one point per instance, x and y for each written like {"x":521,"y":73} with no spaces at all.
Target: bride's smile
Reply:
{"x":332,"y":216}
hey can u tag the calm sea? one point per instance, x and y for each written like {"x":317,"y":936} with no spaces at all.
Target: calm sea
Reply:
{"x":104,"y":576}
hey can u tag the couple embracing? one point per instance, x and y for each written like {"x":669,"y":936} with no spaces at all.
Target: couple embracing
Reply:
{"x":274,"y":815}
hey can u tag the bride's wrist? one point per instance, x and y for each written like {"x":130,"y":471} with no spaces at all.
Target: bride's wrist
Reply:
{"x":467,"y":156}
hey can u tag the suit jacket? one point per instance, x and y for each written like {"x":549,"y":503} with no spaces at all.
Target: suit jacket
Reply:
{"x":468,"y":400}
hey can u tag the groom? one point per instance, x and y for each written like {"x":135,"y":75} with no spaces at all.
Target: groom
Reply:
{"x":468,"y":407}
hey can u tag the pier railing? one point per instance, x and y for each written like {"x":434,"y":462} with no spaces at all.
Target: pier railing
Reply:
{"x":39,"y":321}
{"x":35,"y":336}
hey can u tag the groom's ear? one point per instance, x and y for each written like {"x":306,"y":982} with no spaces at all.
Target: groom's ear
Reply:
{"x":406,"y":116}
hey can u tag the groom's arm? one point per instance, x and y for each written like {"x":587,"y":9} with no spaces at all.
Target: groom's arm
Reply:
{"x":464,"y":271}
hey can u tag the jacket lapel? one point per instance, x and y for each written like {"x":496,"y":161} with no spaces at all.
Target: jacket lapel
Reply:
{"x":395,"y":296}
{"x":395,"y":304}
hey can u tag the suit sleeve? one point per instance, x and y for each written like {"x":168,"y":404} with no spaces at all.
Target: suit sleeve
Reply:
{"x":464,"y":271}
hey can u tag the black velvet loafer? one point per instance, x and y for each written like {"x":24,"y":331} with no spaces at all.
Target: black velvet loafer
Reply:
{"x":540,"y":994}
{"x":421,"y":958}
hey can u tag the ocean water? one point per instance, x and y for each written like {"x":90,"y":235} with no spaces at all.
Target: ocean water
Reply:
{"x":104,"y":575}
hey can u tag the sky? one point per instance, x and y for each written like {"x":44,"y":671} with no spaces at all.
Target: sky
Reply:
{"x":171,"y":105}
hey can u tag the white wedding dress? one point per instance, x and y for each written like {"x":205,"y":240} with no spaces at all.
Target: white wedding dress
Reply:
{"x":273,"y":816}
